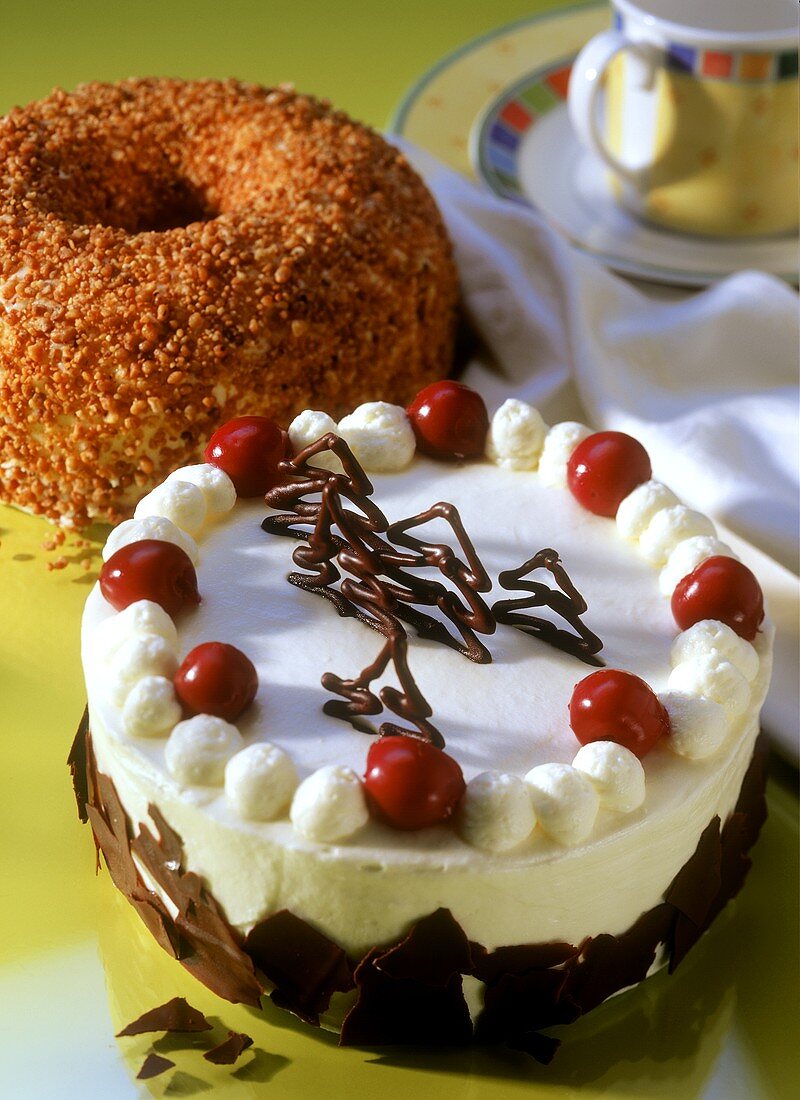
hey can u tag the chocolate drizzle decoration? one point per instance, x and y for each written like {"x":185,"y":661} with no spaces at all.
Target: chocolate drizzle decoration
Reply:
{"x":382,"y":586}
{"x":565,"y":601}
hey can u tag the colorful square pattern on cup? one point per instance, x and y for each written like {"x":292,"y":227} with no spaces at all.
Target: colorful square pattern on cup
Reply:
{"x":716,"y":64}
{"x":787,"y":65}
{"x":682,"y":58}
{"x":727,"y":65}
{"x":755,"y":66}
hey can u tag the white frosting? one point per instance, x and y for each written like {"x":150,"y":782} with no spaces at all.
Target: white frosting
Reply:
{"x":307,"y":428}
{"x":639,"y":507}
{"x":141,"y":617}
{"x":260,"y":781}
{"x":329,"y":805}
{"x":151,"y":708}
{"x":715,"y":678}
{"x":380,"y":436}
{"x":669,"y":527}
{"x":698,"y":726}
{"x":136,"y":657}
{"x":564,"y":801}
{"x":559,"y":443}
{"x":516,"y":436}
{"x":179,"y":501}
{"x":369,"y":888}
{"x":215,"y":485}
{"x":150,"y":527}
{"x":496,"y":812}
{"x":615,"y":773}
{"x":686,"y":557}
{"x":198,"y":749}
{"x":710,"y":636}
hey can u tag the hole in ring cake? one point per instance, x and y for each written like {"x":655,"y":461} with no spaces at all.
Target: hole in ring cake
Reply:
{"x":405,"y":732}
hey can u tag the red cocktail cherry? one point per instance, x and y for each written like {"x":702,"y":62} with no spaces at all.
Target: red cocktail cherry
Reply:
{"x":248,"y":449}
{"x":410,"y":783}
{"x":723,"y":589}
{"x":612,"y":705}
{"x":216,"y":678}
{"x":449,"y":420}
{"x":604,"y":468}
{"x":150,"y":570}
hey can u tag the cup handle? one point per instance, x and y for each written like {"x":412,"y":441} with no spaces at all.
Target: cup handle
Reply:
{"x":585,"y":83}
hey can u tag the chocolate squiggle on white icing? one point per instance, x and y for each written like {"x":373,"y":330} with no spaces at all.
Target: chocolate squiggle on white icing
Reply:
{"x":565,"y":601}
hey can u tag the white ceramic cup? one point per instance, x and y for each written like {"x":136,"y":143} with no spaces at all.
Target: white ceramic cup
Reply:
{"x":699,"y":130}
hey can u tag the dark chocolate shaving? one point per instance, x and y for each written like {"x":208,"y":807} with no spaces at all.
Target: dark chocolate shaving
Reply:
{"x":76,"y":761}
{"x":609,"y":963}
{"x":565,"y":601}
{"x":689,"y":896}
{"x":153,"y":1066}
{"x":394,"y":1011}
{"x":488,"y":966}
{"x":517,"y":1005}
{"x":433,"y":951}
{"x":305,"y":966}
{"x":174,"y":1015}
{"x":413,"y":990}
{"x":228,"y":1051}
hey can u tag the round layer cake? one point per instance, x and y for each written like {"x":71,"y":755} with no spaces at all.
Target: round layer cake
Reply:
{"x":174,"y":253}
{"x":573,"y":867}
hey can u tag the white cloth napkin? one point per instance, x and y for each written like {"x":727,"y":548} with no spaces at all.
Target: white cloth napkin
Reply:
{"x":707,"y":382}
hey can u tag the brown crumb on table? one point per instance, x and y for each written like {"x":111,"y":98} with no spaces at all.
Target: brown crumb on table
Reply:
{"x":58,"y":538}
{"x":59,"y":563}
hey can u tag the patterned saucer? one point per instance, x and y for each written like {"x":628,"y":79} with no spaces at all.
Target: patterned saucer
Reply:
{"x":495,"y":110}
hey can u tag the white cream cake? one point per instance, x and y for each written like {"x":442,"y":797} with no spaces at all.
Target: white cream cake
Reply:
{"x":552,"y":840}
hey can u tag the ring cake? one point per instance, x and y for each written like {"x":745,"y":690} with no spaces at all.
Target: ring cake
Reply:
{"x":173,"y":253}
{"x":450,"y":739}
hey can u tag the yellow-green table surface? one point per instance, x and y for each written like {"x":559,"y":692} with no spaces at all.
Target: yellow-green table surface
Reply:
{"x":362,"y":55}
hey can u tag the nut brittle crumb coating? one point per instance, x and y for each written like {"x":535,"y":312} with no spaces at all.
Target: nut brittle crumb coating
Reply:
{"x":176,"y":253}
